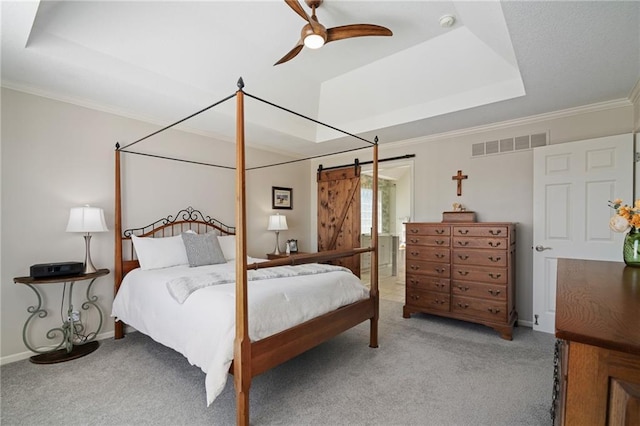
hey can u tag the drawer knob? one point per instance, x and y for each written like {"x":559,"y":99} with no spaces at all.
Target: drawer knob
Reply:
{"x":463,"y":231}
{"x":464,"y":305}
{"x":414,"y":282}
{"x":439,"y":302}
{"x":439,"y":231}
{"x":439,"y":270}
{"x":494,"y":259}
{"x":463,"y":288}
{"x":463,"y":273}
{"x":440,"y":285}
{"x":414,"y":267}
{"x":439,"y":242}
{"x":414,"y":240}
{"x":463,"y":243}
{"x":413,"y":230}
{"x":439,"y":255}
{"x":415,"y":253}
{"x":495,"y":232}
{"x":463,"y":257}
{"x":494,"y":310}
{"x":494,"y":292}
{"x":494,"y":276}
{"x":415,"y":296}
{"x":494,"y":243}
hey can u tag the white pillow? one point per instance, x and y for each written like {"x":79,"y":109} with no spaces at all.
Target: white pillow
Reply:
{"x":228,"y":246}
{"x":156,"y":253}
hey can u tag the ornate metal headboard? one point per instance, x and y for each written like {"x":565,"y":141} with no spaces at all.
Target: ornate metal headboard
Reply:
{"x":172,"y":225}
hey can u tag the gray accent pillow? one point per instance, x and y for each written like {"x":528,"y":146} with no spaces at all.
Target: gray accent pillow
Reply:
{"x":202,"y":249}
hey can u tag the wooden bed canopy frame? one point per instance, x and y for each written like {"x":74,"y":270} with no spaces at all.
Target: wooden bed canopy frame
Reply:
{"x":253,"y":358}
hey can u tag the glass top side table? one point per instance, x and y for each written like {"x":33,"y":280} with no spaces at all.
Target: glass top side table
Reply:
{"x":65,"y":350}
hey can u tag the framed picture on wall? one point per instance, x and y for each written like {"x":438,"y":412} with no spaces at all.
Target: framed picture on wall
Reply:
{"x":281,"y":198}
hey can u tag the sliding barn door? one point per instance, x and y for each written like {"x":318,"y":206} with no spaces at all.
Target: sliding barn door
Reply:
{"x":339,"y":213}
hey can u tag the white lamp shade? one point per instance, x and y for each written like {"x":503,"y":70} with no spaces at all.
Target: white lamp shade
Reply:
{"x":277,"y":222}
{"x":86,"y":219}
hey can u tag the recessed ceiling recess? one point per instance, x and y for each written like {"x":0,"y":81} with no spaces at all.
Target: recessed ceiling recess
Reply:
{"x":447,"y":21}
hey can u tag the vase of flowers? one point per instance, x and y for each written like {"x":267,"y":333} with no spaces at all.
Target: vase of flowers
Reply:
{"x":627,"y":218}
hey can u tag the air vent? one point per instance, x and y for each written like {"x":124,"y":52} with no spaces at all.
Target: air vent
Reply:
{"x":539,"y":139}
{"x":491,"y":147}
{"x":522,"y":142}
{"x":477,"y":149}
{"x":507,"y":145}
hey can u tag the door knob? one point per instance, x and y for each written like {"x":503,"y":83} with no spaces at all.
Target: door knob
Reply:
{"x":542,"y":248}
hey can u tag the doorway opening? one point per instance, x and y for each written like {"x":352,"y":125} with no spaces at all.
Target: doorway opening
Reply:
{"x":395,"y":207}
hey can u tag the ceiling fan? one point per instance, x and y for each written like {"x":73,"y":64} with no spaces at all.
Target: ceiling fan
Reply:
{"x":314,"y":35}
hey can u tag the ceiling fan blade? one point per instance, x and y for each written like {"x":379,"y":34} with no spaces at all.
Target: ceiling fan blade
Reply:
{"x":356,"y":30}
{"x":297,"y":8}
{"x":292,"y":53}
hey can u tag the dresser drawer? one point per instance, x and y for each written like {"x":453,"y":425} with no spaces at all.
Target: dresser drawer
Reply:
{"x":427,"y":229}
{"x":479,"y":274}
{"x":480,"y":231}
{"x":496,"y":292}
{"x":428,"y":268}
{"x":428,"y":299}
{"x":434,"y":254}
{"x":479,"y":308}
{"x":480,"y":257}
{"x":480,"y":243}
{"x":428,"y":240}
{"x":424,"y":282}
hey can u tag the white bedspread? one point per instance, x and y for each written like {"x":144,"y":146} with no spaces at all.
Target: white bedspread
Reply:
{"x":203,"y":327}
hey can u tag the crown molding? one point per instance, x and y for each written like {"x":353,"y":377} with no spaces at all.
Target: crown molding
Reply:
{"x":532,"y":119}
{"x":634,"y":96}
{"x":129,"y":115}
{"x":107,"y":109}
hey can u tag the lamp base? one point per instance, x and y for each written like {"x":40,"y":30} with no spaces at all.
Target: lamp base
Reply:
{"x":277,"y":249}
{"x":88,"y":264}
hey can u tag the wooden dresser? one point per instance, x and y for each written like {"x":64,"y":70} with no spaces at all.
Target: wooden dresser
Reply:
{"x":597,"y":375}
{"x":464,"y":271}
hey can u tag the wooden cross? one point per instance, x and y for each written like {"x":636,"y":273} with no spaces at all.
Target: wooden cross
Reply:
{"x":459,"y":178}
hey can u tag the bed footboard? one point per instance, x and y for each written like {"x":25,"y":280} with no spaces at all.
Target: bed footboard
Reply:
{"x":281,"y":347}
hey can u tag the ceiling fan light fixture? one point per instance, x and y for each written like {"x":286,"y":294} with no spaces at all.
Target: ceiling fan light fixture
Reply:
{"x":314,"y":41}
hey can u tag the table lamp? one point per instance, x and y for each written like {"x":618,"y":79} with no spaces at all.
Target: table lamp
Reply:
{"x":87,"y":219}
{"x":277,"y":223}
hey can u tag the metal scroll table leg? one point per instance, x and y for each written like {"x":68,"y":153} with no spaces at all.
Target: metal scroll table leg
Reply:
{"x":70,"y":350}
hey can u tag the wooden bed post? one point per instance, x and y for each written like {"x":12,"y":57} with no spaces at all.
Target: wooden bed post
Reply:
{"x":242,"y":345}
{"x":373,"y":337}
{"x":118,"y":331}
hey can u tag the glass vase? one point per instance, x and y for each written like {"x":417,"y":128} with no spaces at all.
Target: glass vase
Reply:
{"x":631,"y":248}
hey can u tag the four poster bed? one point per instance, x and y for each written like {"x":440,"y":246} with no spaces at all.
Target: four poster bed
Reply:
{"x":295,"y":303}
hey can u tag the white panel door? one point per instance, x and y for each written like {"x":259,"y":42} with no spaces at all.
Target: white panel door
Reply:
{"x":573,"y":183}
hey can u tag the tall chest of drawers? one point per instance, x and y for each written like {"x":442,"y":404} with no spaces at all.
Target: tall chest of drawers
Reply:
{"x":464,"y":271}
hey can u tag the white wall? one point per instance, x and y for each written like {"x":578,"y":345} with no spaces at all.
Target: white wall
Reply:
{"x":499,"y":187}
{"x":56,"y":156}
